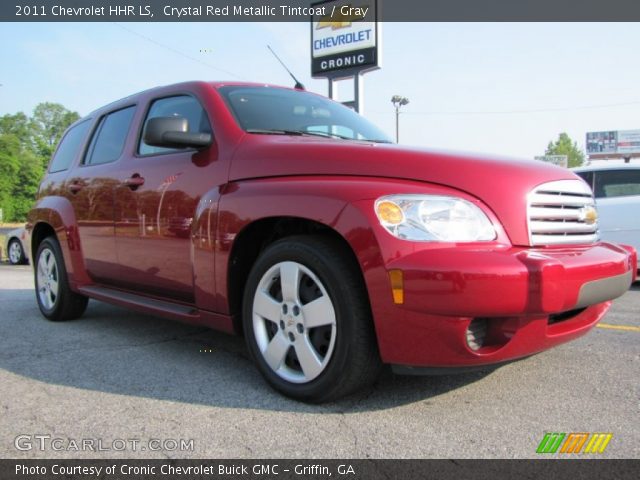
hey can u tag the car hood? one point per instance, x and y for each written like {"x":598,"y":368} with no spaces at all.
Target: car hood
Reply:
{"x":501,"y":183}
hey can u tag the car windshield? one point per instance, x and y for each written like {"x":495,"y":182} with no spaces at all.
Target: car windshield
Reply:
{"x":279,"y":111}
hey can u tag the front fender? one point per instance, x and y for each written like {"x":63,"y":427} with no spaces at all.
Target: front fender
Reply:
{"x":343,"y":204}
{"x":244,"y":203}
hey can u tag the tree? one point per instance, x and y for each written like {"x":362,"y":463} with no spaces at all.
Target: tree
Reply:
{"x":26,"y":183}
{"x":18,"y":125}
{"x":565,"y":146}
{"x":26,"y":145}
{"x":50,"y":120}
{"x":9,"y":168}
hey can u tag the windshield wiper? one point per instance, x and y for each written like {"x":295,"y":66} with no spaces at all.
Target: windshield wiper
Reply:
{"x":278,"y":131}
{"x":329,"y":135}
{"x":274,"y":131}
{"x":267,"y":131}
{"x":344,"y":137}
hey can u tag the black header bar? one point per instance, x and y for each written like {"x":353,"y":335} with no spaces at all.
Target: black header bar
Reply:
{"x":269,"y":469}
{"x":299,"y":10}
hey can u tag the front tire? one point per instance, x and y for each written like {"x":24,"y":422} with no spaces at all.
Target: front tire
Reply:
{"x":307,"y":320}
{"x":55,"y":298}
{"x":16,"y":252}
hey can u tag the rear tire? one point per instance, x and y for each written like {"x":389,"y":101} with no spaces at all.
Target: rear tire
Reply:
{"x":307,"y":320}
{"x":16,"y":252}
{"x":56,"y":300}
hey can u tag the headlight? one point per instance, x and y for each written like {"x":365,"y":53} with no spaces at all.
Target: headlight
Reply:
{"x":433,"y":218}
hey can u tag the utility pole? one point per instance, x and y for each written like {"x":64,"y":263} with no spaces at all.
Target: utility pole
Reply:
{"x":398,"y":101}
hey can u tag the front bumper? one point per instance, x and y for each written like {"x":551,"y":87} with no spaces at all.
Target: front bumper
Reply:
{"x":528,"y":300}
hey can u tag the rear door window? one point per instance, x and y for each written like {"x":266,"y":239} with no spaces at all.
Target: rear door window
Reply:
{"x":110,"y":136}
{"x":178,"y":106}
{"x":617,"y":183}
{"x":69,"y":146}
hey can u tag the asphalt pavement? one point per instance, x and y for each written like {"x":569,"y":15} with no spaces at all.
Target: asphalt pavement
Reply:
{"x":140,"y":386}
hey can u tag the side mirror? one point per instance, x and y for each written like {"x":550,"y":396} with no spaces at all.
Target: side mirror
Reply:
{"x":173,"y":132}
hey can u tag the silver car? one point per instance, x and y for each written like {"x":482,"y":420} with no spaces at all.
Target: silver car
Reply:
{"x":616,"y":187}
{"x":17,"y":246}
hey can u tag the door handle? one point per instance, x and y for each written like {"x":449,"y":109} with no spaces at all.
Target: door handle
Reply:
{"x":134,"y":181}
{"x":75,"y":187}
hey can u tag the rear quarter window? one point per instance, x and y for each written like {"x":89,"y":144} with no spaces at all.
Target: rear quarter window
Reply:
{"x":69,"y":147}
{"x":110,"y":136}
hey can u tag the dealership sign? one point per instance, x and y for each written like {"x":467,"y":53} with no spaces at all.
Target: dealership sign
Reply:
{"x":344,"y":40}
{"x":560,"y":160}
{"x":621,"y":142}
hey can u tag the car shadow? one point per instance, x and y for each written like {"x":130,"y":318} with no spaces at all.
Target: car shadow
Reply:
{"x":117,"y":351}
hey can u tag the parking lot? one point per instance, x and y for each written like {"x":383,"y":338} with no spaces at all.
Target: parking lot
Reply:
{"x":118,"y":375}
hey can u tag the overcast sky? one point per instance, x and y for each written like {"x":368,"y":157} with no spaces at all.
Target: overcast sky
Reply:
{"x":503,"y":88}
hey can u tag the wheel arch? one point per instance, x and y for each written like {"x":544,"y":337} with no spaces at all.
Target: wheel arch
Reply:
{"x":41,"y":230}
{"x":54,"y":216}
{"x":256,"y":236}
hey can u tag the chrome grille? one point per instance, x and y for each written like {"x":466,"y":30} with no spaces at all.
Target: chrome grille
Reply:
{"x":561,"y":212}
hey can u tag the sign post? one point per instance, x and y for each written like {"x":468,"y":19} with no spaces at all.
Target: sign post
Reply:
{"x":345,"y":44}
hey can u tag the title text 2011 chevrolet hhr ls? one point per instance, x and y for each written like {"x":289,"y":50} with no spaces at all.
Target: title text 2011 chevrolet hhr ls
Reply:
{"x":287,"y":217}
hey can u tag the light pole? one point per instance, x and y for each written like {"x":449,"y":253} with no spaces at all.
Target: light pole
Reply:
{"x":398,"y":101}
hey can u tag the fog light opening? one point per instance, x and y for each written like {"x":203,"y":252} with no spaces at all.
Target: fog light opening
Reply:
{"x":477,"y":333}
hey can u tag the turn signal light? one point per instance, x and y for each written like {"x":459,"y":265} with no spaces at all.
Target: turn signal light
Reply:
{"x":389,"y":213}
{"x":397,"y":286}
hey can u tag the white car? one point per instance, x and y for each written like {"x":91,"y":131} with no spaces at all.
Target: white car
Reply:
{"x":17,"y":247}
{"x":616,"y":186}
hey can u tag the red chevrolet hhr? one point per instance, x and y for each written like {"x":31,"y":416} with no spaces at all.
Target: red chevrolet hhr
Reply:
{"x":287,"y":217}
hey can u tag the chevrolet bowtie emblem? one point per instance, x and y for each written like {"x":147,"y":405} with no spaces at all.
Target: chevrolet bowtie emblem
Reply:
{"x":589,"y":215}
{"x":334,"y":25}
{"x":339,"y":20}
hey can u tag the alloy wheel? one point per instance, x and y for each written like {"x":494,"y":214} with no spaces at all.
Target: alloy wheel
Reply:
{"x":47,"y":279}
{"x":15,"y":252}
{"x":294,"y":322}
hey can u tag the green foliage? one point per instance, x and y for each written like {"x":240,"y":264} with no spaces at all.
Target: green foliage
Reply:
{"x":9,"y":168}
{"x":26,"y":144}
{"x":565,"y":146}
{"x":18,"y":125}
{"x":26,"y":186}
{"x":49,"y":122}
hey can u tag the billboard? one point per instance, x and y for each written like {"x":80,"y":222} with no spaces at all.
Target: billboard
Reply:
{"x":629,"y":141}
{"x":621,"y":142}
{"x":602,"y":142}
{"x":345,"y":39}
